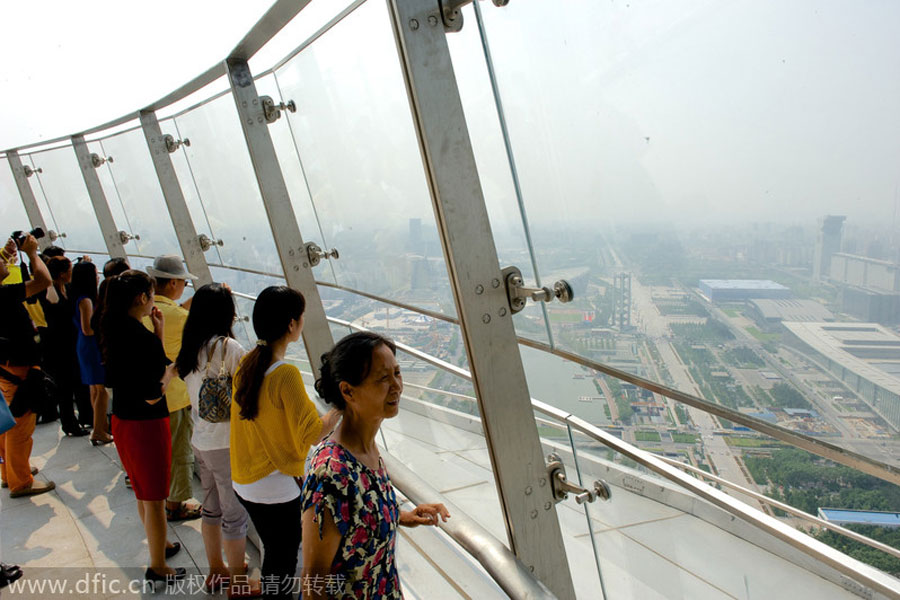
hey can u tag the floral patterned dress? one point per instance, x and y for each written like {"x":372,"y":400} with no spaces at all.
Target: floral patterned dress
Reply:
{"x":364,"y":508}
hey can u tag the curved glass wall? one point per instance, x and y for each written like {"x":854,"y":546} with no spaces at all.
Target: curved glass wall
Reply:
{"x":222,"y":176}
{"x":131,"y":180}
{"x":355,"y":139}
{"x":60,"y":186}
{"x":616,"y":152}
{"x":648,"y":163}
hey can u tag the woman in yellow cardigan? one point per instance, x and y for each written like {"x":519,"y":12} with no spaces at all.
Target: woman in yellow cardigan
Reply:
{"x":273,"y":424}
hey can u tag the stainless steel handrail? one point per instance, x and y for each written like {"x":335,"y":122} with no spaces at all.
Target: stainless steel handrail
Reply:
{"x":852,"y":568}
{"x":785,"y":507}
{"x":819,"y":447}
{"x":744,"y":490}
{"x":511,"y":575}
{"x":816,"y":446}
{"x":822,"y":552}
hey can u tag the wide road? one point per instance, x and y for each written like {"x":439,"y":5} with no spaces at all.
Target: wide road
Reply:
{"x":719,"y":453}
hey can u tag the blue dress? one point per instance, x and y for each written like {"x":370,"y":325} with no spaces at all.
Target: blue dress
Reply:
{"x":90,"y":362}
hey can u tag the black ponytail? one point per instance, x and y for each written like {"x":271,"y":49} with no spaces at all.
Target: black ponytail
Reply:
{"x":350,"y":360}
{"x":120,"y":295}
{"x":273,"y":312}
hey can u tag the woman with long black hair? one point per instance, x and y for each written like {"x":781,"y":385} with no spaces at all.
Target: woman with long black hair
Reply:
{"x":273,"y":424}
{"x":138,"y":372}
{"x":350,"y":512}
{"x":84,"y":290}
{"x":207,"y":363}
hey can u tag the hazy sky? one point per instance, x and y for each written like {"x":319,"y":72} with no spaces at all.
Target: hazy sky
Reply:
{"x":663,"y":110}
{"x":73,"y":65}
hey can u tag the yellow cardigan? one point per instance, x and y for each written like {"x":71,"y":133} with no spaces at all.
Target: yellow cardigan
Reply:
{"x":280,"y":436}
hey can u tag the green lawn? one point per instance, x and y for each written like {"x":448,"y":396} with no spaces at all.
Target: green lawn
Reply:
{"x":742,"y":442}
{"x":647,"y":436}
{"x":763,"y":337}
{"x":685,"y":438}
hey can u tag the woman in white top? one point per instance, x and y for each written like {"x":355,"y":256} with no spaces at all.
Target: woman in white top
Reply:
{"x":208,"y":359}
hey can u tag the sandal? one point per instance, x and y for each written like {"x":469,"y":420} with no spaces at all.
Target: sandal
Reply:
{"x":182,"y":513}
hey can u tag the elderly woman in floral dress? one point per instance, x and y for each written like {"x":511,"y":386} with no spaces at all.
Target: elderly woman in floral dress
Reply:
{"x":350,"y":512}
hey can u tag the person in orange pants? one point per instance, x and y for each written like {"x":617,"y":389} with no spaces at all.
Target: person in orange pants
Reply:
{"x":18,"y":354}
{"x":15,"y":444}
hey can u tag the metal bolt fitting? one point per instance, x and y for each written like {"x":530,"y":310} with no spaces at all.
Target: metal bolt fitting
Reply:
{"x":479,"y":289}
{"x":534,"y":514}
{"x":528,"y":490}
{"x":413,"y":24}
{"x":486,"y":318}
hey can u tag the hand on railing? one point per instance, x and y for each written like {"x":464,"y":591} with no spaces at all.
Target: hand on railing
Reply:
{"x":424,"y":514}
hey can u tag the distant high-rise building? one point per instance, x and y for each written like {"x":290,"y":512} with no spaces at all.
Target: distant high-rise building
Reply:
{"x":415,"y":243}
{"x":828,"y":242}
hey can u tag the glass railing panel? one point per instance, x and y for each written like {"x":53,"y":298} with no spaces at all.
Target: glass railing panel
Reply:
{"x":220,"y":171}
{"x":12,"y":211}
{"x":244,"y":284}
{"x":357,"y":144}
{"x":298,"y":188}
{"x":62,"y":186}
{"x":189,"y":190}
{"x":494,"y":167}
{"x":113,"y":199}
{"x":573,"y":517}
{"x":641,"y":154}
{"x":43,"y":206}
{"x":568,"y":386}
{"x":658,"y":539}
{"x":428,"y":334}
{"x":131,"y":176}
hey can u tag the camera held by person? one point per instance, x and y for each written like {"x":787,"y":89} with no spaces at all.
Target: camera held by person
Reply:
{"x":20,"y":236}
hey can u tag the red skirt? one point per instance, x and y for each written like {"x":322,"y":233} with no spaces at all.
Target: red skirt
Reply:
{"x":145,"y":449}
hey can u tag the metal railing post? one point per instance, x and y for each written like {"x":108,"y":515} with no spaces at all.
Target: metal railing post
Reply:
{"x":172,"y":192}
{"x":298,"y":268}
{"x":105,"y":220}
{"x":517,"y":459}
{"x":27,"y":195}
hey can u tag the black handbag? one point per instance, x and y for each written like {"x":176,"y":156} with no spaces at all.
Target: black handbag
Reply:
{"x":36,"y":392}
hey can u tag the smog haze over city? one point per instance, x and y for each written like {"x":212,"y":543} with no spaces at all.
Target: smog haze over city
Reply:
{"x":718,"y":182}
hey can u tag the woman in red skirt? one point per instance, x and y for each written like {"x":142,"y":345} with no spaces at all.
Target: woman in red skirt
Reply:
{"x":138,"y":372}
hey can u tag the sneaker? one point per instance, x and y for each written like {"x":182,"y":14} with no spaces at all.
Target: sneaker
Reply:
{"x":34,"y":471}
{"x":36,"y":487}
